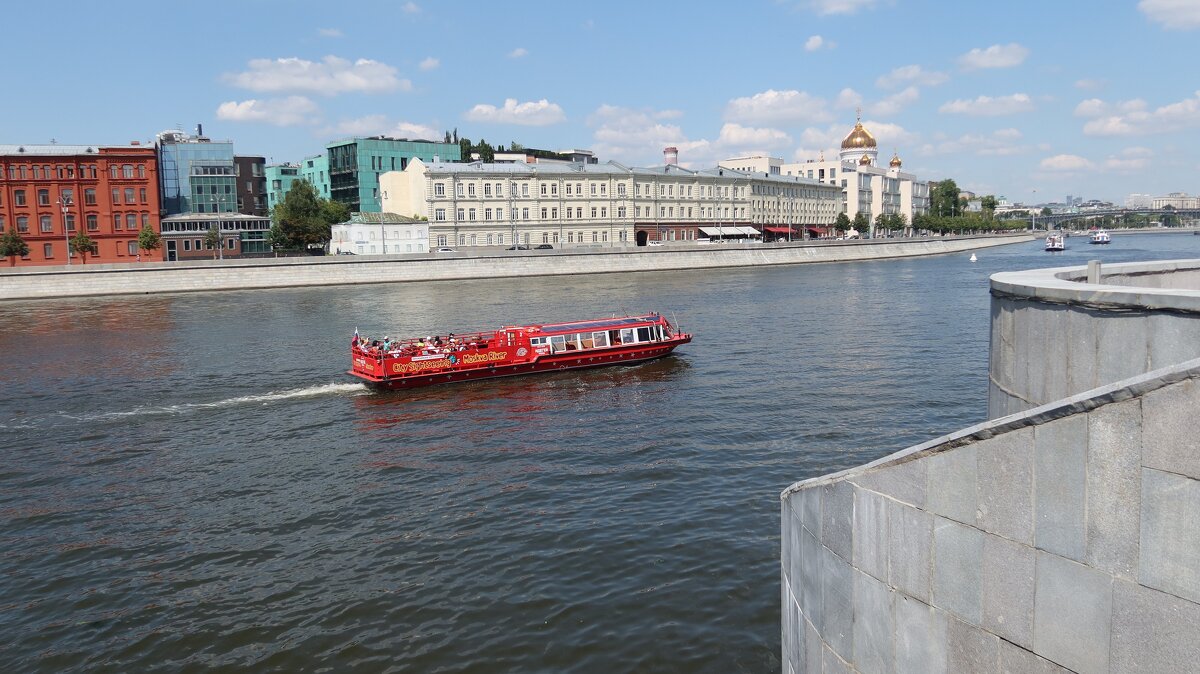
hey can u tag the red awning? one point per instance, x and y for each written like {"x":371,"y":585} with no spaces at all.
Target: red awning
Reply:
{"x":779,"y":230}
{"x":818,"y":230}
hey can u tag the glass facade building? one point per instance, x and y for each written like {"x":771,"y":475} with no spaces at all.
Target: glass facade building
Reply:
{"x":315,"y":170}
{"x":356,"y":164}
{"x":196,"y":175}
{"x":279,"y":180}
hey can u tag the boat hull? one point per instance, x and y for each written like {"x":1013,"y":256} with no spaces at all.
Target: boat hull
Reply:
{"x":552,"y":363}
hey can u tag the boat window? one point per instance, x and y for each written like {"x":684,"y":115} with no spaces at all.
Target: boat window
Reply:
{"x":600,"y":339}
{"x":614,"y":336}
{"x":573,"y":342}
{"x":643,"y":334}
{"x":586,"y":341}
{"x":558,"y":343}
{"x":627,"y":336}
{"x":538,"y":341}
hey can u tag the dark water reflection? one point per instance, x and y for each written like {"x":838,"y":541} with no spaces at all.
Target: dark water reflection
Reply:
{"x":191,"y":481}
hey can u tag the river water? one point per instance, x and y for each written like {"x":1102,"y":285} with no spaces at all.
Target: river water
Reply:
{"x":191,"y":481}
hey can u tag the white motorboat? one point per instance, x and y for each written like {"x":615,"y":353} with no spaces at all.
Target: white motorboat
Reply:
{"x":1055,"y":243}
{"x":1100,"y":237}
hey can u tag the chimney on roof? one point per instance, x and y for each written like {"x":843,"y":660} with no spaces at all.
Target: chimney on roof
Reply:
{"x":671,"y":155}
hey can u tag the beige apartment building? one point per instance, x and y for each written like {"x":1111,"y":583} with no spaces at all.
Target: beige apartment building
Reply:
{"x":571,"y":204}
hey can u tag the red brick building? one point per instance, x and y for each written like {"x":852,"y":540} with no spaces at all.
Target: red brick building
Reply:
{"x":112,"y":192}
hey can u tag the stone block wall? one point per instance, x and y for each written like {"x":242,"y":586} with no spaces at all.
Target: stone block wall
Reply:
{"x":1065,"y":538}
{"x":1061,"y":535}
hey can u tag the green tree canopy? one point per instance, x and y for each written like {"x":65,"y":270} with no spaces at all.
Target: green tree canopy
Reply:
{"x":842,"y":221}
{"x":83,"y":244}
{"x":212,"y":240}
{"x":303,"y":219}
{"x":13,"y":246}
{"x":989,"y":206}
{"x":148,"y":239}
{"x":943,"y":198}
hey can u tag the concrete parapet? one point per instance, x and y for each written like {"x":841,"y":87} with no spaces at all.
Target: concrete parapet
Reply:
{"x":85,"y":280}
{"x":1059,"y":538}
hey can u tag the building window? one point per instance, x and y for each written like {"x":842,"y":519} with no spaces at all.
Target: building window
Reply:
{"x":471,"y":214}
{"x":570,"y":237}
{"x":471,"y":190}
{"x":524,"y":190}
{"x":487,"y":213}
{"x":460,"y":214}
{"x":116,"y":221}
{"x":620,"y":211}
{"x":458,"y":189}
{"x":48,"y":251}
{"x":142,"y":170}
{"x":439,"y":189}
{"x":127,"y":171}
{"x":567,"y":213}
{"x":554,"y":213}
{"x":593,"y":185}
{"x":131,"y":221}
{"x":114,"y":171}
{"x":70,"y":223}
{"x":19,"y":197}
{"x":133,"y":248}
{"x":568,"y":189}
{"x":1,"y":223}
{"x":187,"y":244}
{"x":89,"y":197}
{"x":145,"y":219}
{"x":116,"y":195}
{"x":554,"y":189}
{"x":129,"y":195}
{"x":92,"y":223}
{"x":543,"y":189}
{"x":439,"y":214}
{"x":593,"y":211}
{"x":46,"y":225}
{"x":524,"y":213}
{"x":543,"y":214}
{"x":43,"y":197}
{"x":22,"y":224}
{"x":142,"y":194}
{"x":487,"y":189}
{"x":68,"y":197}
{"x":621,"y":190}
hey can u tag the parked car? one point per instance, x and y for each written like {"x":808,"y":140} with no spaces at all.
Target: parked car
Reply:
{"x":654,"y":243}
{"x":517,"y":248}
{"x":445,"y":249}
{"x":544,"y":246}
{"x":345,"y":252}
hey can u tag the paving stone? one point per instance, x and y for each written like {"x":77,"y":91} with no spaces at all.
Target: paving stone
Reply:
{"x":957,"y":565}
{"x":870,"y":533}
{"x":837,"y":518}
{"x":838,"y":586}
{"x":1170,"y":441}
{"x":970,"y":649}
{"x":1153,"y":631}
{"x":1008,"y":582}
{"x":873,"y":626}
{"x":952,"y":484}
{"x":1170,"y":536}
{"x":1114,"y":487}
{"x":1005,"y":485}
{"x":910,"y":550}
{"x":1060,"y":481}
{"x":1072,"y":614}
{"x":920,"y":637}
{"x":1017,"y":660}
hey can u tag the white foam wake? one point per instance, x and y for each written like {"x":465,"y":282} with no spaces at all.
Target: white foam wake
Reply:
{"x":258,"y":399}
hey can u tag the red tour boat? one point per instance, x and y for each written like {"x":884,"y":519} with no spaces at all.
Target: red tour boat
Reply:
{"x":513,"y":350}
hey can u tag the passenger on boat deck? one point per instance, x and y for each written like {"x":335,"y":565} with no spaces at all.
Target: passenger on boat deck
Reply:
{"x":387,"y":343}
{"x":437,"y":340}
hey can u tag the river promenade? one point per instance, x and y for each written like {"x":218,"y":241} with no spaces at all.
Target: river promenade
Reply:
{"x":135,"y":279}
{"x":1060,"y":535}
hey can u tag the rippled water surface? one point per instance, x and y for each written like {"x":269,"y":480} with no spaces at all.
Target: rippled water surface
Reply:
{"x":191,"y":481}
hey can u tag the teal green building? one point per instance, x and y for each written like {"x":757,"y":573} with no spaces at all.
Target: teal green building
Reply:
{"x":355,"y":165}
{"x":315,"y":170}
{"x":279,"y":180}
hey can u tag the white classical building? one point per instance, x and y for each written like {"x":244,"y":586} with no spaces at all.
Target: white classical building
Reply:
{"x":1176,"y":200}
{"x":865,"y":186}
{"x":379,"y":234}
{"x":578,"y":204}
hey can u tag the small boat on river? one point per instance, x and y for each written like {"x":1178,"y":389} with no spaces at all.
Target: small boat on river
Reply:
{"x":1100,"y":237}
{"x":1055,"y":243}
{"x":513,"y":350}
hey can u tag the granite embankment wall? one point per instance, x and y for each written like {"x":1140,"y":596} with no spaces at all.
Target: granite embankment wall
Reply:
{"x":1064,"y":537}
{"x":83,"y":280}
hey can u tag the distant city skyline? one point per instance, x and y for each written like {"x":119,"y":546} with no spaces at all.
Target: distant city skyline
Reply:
{"x":1027,"y":101}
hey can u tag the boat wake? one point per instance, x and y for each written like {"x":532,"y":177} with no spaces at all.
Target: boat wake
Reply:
{"x":341,"y":389}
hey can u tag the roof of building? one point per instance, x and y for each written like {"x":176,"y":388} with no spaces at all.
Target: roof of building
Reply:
{"x":357,"y":218}
{"x":609,"y":168}
{"x":213,"y":217}
{"x":64,"y":150}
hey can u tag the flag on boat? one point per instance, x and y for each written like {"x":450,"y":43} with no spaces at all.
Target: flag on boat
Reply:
{"x":355,"y":340}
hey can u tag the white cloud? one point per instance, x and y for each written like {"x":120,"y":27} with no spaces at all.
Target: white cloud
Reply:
{"x":290,"y":111}
{"x":816,"y":43}
{"x":1089,"y":85}
{"x":777,"y":107}
{"x":532,"y":113}
{"x":913,"y":74}
{"x":518,"y":53}
{"x":847,"y":99}
{"x":989,"y":106}
{"x":752,"y":139}
{"x":332,"y":75}
{"x":1128,"y":160}
{"x":995,"y":56}
{"x":411,"y":8}
{"x":1066,"y":162}
{"x":381,"y":125}
{"x":1133,"y":117}
{"x":429,"y":63}
{"x":896,"y":102}
{"x":329,"y":32}
{"x":999,"y":143}
{"x":826,"y":7}
{"x":637,"y":137}
{"x":1172,"y":14}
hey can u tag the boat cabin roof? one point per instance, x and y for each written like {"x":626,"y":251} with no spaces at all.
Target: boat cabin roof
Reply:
{"x":604,"y":324}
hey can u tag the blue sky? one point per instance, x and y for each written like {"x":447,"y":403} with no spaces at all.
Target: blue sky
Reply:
{"x":1031,"y":100}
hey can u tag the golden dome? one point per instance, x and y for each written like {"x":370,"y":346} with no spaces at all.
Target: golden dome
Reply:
{"x":859,"y":137}
{"x":865,"y":160}
{"x":895,"y":162}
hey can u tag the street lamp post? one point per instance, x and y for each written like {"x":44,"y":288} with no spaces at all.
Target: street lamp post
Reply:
{"x":220,"y":236}
{"x":65,"y":204}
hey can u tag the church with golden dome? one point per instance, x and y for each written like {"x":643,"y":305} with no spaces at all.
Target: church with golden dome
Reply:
{"x":867,"y":187}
